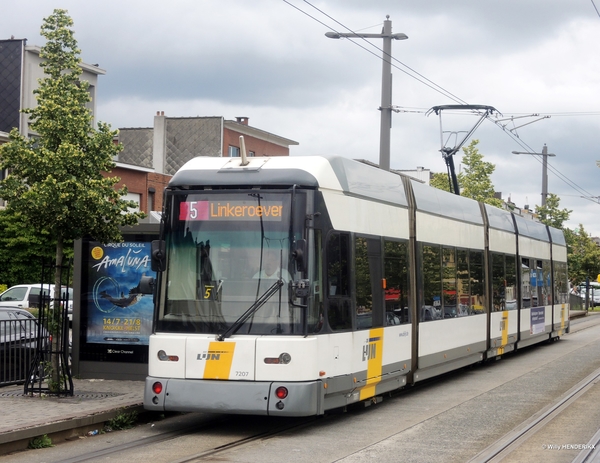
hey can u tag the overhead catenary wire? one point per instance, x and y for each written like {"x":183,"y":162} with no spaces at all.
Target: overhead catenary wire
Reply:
{"x":417,"y":76}
{"x":439,"y":89}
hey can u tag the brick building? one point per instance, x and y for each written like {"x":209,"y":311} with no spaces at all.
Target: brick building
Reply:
{"x":152,"y":155}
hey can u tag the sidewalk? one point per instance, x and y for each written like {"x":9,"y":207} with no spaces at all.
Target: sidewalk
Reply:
{"x":94,"y":402}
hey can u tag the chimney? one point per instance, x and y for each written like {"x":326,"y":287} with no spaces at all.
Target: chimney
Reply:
{"x":242,"y":120}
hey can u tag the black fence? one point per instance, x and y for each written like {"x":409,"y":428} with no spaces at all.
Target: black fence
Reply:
{"x":19,"y":337}
{"x":50,"y":369}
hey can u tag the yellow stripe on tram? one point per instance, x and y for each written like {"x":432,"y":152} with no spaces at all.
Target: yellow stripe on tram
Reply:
{"x":504,"y":328}
{"x":373,"y":351}
{"x":219,"y":360}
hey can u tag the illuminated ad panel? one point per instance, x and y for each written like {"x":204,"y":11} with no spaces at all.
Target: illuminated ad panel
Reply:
{"x":117,"y":311}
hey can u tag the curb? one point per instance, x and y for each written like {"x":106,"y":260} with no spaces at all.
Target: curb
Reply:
{"x":62,"y":430}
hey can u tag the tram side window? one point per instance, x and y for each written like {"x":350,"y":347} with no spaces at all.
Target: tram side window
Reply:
{"x":498,"y":282}
{"x":338,"y":267}
{"x":537,"y":283}
{"x":561,"y":283}
{"x":364,"y":293}
{"x":463,"y":289}
{"x":450,"y":307}
{"x":547,"y":283}
{"x":431,"y":261}
{"x":477,"y":277}
{"x":397,"y":290}
{"x":526,"y":280}
{"x":511,"y":282}
{"x":316,"y":310}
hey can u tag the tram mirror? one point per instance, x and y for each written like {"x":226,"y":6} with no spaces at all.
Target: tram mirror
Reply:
{"x":299,"y":254}
{"x":158,"y":256}
{"x":146,"y":285}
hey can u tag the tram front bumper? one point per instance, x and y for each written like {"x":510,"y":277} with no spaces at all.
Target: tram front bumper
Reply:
{"x":233,"y":397}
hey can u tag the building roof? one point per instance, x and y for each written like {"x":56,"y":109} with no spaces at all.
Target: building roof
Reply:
{"x":257,"y":133}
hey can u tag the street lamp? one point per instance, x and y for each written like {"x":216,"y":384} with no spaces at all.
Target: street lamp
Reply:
{"x":386,"y":84}
{"x":545,"y":155}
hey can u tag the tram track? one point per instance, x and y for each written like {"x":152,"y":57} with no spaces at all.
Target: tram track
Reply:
{"x":240,"y":442}
{"x":221,"y":424}
{"x":502,"y":449}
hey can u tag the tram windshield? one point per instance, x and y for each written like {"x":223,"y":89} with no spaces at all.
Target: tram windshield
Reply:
{"x":228,"y":265}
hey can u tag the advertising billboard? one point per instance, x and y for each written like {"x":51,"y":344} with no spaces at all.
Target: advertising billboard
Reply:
{"x":116,"y":316}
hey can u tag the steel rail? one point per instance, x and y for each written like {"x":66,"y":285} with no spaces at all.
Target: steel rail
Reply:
{"x":514,"y":439}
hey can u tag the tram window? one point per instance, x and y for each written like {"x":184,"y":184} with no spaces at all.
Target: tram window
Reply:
{"x":315,"y":312}
{"x":339,"y":307}
{"x":561,"y":284}
{"x":450,"y":308}
{"x":498,"y":283}
{"x":477,"y":278}
{"x":431,"y":259}
{"x":463,"y":289}
{"x":338,"y":264}
{"x":511,"y":282}
{"x":338,"y":314}
{"x":364,"y":292}
{"x":537,"y":283}
{"x":397,"y":282}
{"x":526,"y":290}
{"x":546,"y":286}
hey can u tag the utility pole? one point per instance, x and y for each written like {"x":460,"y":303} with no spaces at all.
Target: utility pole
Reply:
{"x":386,"y":84}
{"x":544,"y":174}
{"x":544,"y":155}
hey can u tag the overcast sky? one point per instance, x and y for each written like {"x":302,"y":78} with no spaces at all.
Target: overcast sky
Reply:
{"x":269,"y":60}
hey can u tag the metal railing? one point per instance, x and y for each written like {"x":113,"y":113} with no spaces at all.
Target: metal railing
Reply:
{"x":50,"y":370}
{"x":18,"y":347}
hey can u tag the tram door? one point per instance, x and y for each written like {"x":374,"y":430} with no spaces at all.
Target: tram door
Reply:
{"x":368,"y":271}
{"x":361,"y":258}
{"x":339,"y":296}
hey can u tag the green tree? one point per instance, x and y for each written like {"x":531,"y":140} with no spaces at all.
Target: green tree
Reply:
{"x":550,"y":214}
{"x":475,"y":179}
{"x":55,"y":181}
{"x":440,"y":181}
{"x":22,"y":250}
{"x":583,"y":255}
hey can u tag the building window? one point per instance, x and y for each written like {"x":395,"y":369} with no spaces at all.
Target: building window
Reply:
{"x":234,"y":152}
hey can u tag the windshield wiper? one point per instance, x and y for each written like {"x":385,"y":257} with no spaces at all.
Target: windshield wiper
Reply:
{"x":251,"y":310}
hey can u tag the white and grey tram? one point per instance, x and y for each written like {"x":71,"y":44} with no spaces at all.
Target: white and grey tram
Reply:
{"x":294,"y":285}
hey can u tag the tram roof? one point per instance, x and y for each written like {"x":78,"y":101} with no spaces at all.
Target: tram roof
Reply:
{"x":500,"y":219}
{"x":532,"y":229}
{"x":354,"y":178}
{"x":445,"y":204}
{"x":327,"y":172}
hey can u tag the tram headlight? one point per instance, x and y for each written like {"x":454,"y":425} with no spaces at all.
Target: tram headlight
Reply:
{"x":283,"y":359}
{"x":163,"y":357}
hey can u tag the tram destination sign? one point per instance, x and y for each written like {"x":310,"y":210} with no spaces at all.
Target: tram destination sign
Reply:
{"x":231,"y":210}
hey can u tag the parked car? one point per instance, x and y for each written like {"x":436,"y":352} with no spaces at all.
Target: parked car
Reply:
{"x":29,"y":296}
{"x":594,"y":292}
{"x":18,"y":343}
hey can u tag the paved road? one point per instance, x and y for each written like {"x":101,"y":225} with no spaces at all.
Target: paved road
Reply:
{"x":450,"y":420}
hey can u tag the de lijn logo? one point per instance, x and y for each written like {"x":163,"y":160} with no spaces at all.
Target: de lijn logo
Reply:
{"x":369,"y":350}
{"x":210,"y":355}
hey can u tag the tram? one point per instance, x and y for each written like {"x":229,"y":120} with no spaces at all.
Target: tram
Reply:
{"x":289,"y":286}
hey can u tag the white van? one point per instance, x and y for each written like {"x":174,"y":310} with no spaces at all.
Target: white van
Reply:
{"x":28,"y":296}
